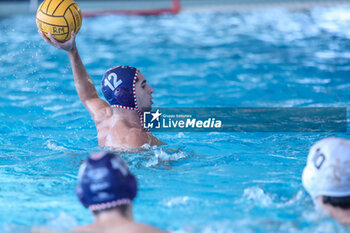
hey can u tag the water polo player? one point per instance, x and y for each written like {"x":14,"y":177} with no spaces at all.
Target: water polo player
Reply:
{"x":107,"y":188}
{"x":119,"y":124}
{"x":327,"y":177}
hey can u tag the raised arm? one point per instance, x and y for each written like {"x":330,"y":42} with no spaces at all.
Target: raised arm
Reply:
{"x":83,"y":83}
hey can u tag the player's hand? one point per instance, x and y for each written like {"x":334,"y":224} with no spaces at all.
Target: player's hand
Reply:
{"x":68,"y":45}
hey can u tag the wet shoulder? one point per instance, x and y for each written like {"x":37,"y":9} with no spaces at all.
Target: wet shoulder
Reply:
{"x":102,"y":114}
{"x":86,"y":229}
{"x":124,"y":228}
{"x":142,"y":228}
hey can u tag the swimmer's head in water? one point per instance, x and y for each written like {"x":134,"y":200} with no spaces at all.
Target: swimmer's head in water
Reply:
{"x":327,"y":172}
{"x":118,"y":87}
{"x":105,"y":182}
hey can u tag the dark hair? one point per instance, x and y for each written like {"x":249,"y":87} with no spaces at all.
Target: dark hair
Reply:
{"x":122,"y":209}
{"x":341,"y":202}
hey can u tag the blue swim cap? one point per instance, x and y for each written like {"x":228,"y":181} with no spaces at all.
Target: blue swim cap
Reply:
{"x":104,"y":182}
{"x":118,"y":87}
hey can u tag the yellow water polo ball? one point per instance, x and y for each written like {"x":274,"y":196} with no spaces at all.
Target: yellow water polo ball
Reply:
{"x":59,"y":17}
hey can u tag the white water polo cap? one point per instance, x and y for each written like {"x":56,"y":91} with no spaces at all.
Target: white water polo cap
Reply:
{"x":327,"y":171}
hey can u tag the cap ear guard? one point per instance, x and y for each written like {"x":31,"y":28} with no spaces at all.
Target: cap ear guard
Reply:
{"x":132,"y":182}
{"x":79,"y":189}
{"x":125,"y":97}
{"x":80,"y":195}
{"x":130,"y":178}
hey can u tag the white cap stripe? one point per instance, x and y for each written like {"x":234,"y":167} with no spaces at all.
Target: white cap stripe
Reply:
{"x":108,"y":205}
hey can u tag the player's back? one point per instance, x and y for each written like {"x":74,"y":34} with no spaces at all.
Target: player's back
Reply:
{"x":112,"y":227}
{"x":118,"y":131}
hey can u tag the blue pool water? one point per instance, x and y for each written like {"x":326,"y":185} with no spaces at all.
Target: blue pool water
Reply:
{"x":198,"y":182}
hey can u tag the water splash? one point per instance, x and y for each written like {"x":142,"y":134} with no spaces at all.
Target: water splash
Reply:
{"x":161,"y":156}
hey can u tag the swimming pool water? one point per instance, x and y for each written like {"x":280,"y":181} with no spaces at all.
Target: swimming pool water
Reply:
{"x":198,"y":182}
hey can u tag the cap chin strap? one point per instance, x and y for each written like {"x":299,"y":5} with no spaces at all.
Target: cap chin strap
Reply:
{"x":136,"y":108}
